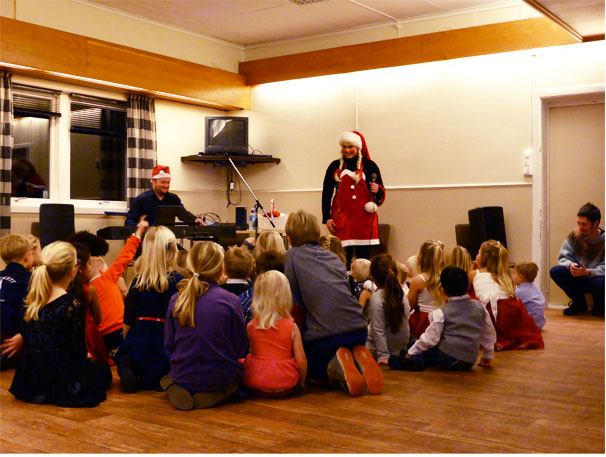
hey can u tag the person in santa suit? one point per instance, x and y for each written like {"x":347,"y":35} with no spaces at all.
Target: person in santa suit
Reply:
{"x":352,"y":191}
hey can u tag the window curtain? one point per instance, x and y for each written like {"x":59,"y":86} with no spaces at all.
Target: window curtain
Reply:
{"x":6,"y":151}
{"x":141,"y":144}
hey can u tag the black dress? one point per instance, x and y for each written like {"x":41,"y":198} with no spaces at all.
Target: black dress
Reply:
{"x":53,"y":367}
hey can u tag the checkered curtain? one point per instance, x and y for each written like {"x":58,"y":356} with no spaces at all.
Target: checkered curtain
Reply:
{"x":6,"y":151}
{"x":141,"y":144}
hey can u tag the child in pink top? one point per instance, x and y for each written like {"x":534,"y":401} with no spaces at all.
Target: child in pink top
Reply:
{"x":277,"y":361}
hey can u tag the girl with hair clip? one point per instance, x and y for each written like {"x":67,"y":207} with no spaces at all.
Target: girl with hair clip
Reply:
{"x":268,"y":240}
{"x":53,"y":367}
{"x":141,"y":359}
{"x":277,"y":362}
{"x":493,"y":286}
{"x":458,"y":256}
{"x":424,"y":295}
{"x":204,"y":335}
{"x":388,"y":331}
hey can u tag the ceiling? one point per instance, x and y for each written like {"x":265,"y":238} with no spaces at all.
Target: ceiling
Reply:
{"x":250,"y":23}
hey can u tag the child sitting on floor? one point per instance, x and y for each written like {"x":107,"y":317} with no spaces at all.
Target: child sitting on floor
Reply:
{"x":276,"y":363}
{"x":53,"y":367}
{"x":105,"y":282}
{"x":19,"y":255}
{"x":204,"y":335}
{"x":268,"y":240}
{"x":424,"y":295}
{"x":493,"y":286}
{"x":458,"y":256}
{"x":141,"y":360}
{"x":457,"y":332}
{"x":523,"y":277}
{"x":238,"y":265}
{"x":334,"y":323}
{"x":388,"y":311}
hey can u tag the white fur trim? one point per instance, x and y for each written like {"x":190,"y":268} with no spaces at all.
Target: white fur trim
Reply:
{"x":370,"y":207}
{"x":360,"y":242}
{"x":351,"y":138}
{"x":161,"y":174}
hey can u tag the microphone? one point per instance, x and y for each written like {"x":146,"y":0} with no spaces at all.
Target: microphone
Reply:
{"x":373,"y":178}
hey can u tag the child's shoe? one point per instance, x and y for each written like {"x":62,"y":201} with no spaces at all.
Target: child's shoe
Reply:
{"x":373,"y":376}
{"x":177,"y":396}
{"x":343,"y":368}
{"x":128,"y":380}
{"x":399,"y":362}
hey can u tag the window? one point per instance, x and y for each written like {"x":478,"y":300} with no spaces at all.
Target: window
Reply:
{"x":98,"y":149}
{"x":69,"y":147}
{"x":33,"y":110}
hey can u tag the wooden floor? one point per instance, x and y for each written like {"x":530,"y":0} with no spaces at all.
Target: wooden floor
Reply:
{"x":546,"y":401}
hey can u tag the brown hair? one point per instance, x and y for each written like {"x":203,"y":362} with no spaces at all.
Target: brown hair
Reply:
{"x":384,"y":271}
{"x":238,"y":263}
{"x":527,"y":269}
{"x":302,"y":227}
{"x":333,"y":244}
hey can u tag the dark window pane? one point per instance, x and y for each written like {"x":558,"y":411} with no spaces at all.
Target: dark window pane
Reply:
{"x":30,"y":161}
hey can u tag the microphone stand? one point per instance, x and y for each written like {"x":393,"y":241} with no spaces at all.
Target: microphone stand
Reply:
{"x":257,"y":202}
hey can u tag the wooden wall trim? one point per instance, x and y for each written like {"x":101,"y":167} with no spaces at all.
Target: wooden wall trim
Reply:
{"x":44,"y":50}
{"x":451,"y":44}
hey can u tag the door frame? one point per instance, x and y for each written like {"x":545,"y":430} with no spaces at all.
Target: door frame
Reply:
{"x":542,"y":101}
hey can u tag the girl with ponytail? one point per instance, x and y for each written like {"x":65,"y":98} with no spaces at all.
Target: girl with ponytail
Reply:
{"x":388,"y":330}
{"x":141,"y":359}
{"x":54,"y":367}
{"x":424,"y":295}
{"x":204,"y":335}
{"x":493,"y":286}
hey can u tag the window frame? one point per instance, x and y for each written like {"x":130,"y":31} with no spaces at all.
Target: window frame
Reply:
{"x":60,"y":153}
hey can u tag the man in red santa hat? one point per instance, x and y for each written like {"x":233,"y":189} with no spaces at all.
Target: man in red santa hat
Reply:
{"x":147,"y":202}
{"x":352,"y":191}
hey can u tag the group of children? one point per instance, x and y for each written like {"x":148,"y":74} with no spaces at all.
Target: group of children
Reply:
{"x":207,"y":325}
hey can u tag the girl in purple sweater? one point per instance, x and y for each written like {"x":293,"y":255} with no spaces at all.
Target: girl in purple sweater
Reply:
{"x":204,"y":335}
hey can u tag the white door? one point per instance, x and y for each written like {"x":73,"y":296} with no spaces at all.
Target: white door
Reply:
{"x":576,"y":174}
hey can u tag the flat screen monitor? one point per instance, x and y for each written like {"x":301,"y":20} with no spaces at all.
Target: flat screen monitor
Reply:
{"x":226,"y":134}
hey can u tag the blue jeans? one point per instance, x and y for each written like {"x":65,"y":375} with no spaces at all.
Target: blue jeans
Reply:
{"x":434,"y":356}
{"x":577,"y":286}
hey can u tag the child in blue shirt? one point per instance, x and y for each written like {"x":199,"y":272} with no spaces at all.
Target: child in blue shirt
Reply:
{"x":523,"y":276}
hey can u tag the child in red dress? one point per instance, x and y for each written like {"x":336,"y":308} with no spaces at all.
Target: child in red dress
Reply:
{"x":277,"y":361}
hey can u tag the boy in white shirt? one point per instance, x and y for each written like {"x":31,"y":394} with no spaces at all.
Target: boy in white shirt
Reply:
{"x":456,"y":333}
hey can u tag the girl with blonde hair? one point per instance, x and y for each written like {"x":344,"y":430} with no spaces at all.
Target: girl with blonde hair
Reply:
{"x":141,"y":359}
{"x":458,"y":256}
{"x":268,"y":240}
{"x":494,"y":287}
{"x":277,"y":361}
{"x":424,"y":295}
{"x":53,"y":366}
{"x":204,"y":335}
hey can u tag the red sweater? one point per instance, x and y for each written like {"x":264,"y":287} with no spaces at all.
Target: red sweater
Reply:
{"x":108,"y":292}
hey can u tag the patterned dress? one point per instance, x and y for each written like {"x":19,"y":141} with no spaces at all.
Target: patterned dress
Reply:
{"x":53,"y":367}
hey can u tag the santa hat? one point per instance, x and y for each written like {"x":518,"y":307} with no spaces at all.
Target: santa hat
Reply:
{"x":160,"y":171}
{"x":355,"y":138}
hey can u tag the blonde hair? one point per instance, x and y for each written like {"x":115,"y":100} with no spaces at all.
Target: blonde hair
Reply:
{"x":205,"y":262}
{"x":402,"y":272}
{"x":158,"y":253}
{"x":302,"y":227}
{"x":527,"y":269}
{"x":333,"y":244}
{"x":96,"y":263}
{"x":272,"y":299}
{"x":431,"y":261}
{"x":458,"y":256}
{"x":494,"y":257}
{"x":14,"y":246}
{"x":360,"y":269}
{"x":58,"y":261}
{"x":268,"y":240}
{"x":181,"y":263}
{"x":238,"y":262}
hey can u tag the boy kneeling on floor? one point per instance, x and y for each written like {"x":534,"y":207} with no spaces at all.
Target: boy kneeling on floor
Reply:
{"x":456,"y":333}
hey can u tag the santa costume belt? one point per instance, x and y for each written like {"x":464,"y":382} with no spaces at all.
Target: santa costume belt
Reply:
{"x":153,"y":319}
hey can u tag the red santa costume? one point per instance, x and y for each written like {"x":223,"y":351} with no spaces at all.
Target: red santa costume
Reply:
{"x":346,"y":196}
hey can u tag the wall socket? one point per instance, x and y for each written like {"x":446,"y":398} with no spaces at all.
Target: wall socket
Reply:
{"x":527,"y":162}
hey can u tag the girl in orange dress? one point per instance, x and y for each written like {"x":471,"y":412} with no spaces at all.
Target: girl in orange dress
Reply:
{"x":277,"y":362}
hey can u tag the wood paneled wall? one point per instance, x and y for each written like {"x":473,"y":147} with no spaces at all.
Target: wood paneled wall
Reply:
{"x":452,"y":44}
{"x":48,"y":50}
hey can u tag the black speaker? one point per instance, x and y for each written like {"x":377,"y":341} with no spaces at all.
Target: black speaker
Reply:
{"x":463,"y":236}
{"x":241,"y":222}
{"x":56,"y":222}
{"x":486,"y":223}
